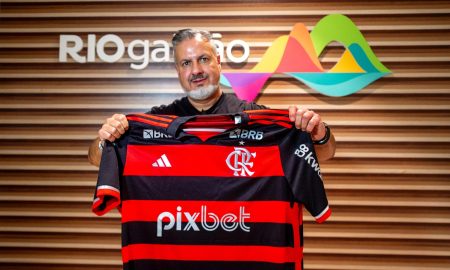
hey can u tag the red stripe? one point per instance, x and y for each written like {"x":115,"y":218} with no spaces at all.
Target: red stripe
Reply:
{"x":270,"y":117}
{"x":259,"y":211}
{"x":213,"y":118}
{"x":203,"y":135}
{"x":203,"y":160}
{"x":143,"y":120}
{"x":224,"y":124}
{"x":266,"y":122}
{"x":324,"y":216}
{"x":165,"y":118}
{"x":296,"y":230}
{"x":110,"y":198}
{"x":268,"y":111}
{"x":209,"y":253}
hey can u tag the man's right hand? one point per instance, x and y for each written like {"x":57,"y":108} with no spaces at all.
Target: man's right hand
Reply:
{"x":113,"y":128}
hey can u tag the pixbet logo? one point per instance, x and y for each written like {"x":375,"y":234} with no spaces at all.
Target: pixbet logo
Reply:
{"x":228,"y":222}
{"x":72,"y":45}
{"x":239,"y":161}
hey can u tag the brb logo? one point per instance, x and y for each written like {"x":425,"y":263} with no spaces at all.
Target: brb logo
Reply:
{"x":154,"y":134}
{"x":228,"y":222}
{"x":239,"y":161}
{"x":246,"y":134}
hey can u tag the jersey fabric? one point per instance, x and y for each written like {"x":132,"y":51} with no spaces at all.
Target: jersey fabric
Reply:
{"x":213,"y":192}
{"x":227,"y":103}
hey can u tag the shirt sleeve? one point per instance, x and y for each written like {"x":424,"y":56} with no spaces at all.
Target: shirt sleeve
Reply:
{"x":107,"y":192}
{"x":302,"y":171}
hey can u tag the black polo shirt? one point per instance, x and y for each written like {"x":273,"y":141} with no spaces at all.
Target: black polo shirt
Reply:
{"x":227,"y":103}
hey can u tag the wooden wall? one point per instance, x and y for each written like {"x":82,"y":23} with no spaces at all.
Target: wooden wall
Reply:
{"x":388,"y":185}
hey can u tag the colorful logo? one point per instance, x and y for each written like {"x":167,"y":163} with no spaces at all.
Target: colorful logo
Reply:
{"x":296,"y":55}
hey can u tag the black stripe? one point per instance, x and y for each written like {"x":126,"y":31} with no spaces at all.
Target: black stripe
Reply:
{"x":274,"y":188}
{"x":267,"y":234}
{"x":204,"y":265}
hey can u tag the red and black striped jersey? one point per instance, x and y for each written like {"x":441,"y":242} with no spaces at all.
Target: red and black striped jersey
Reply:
{"x":213,"y":192}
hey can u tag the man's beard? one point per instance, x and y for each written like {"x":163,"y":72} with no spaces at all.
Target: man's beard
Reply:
{"x":202,"y":93}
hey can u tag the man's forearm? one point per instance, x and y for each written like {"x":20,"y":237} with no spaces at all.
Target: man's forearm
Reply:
{"x":95,"y":154}
{"x":326,"y":151}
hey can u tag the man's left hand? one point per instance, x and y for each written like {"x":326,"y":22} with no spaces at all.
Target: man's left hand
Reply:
{"x":309,"y":121}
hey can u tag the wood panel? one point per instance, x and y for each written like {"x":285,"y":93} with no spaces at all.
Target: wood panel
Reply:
{"x":388,"y":185}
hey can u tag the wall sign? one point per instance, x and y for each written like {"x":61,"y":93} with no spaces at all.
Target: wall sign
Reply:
{"x":156,"y":51}
{"x":295,"y":55}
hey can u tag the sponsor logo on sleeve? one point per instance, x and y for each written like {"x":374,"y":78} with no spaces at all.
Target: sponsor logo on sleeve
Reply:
{"x":305,"y":153}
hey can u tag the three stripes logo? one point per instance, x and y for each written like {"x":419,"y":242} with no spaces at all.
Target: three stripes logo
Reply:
{"x":162,"y":162}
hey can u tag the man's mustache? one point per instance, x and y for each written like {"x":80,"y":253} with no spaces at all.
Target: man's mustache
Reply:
{"x":199,"y":76}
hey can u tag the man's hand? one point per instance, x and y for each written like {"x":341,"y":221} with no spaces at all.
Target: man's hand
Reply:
{"x":309,"y":121}
{"x":113,"y":128}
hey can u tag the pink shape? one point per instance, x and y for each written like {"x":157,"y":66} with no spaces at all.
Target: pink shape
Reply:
{"x":296,"y":59}
{"x":247,"y":85}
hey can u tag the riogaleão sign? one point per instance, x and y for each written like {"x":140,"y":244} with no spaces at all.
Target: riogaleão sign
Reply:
{"x":295,"y":55}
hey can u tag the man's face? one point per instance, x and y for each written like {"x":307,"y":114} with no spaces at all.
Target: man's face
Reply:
{"x":198,"y":68}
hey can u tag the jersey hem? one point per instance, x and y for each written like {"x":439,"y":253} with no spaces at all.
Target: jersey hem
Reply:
{"x":107,"y":198}
{"x":324,"y":215}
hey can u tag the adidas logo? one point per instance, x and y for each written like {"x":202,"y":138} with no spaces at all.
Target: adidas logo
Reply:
{"x":162,"y":162}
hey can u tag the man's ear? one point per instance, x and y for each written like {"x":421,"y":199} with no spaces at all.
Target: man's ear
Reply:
{"x":218,"y":63}
{"x":218,"y":58}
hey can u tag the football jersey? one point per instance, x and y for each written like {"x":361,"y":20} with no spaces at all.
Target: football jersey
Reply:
{"x":213,"y":192}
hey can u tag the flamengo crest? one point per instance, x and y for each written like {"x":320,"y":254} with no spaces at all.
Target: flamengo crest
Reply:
{"x":239,"y":161}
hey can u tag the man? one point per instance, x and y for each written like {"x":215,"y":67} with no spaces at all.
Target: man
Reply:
{"x":198,"y":67}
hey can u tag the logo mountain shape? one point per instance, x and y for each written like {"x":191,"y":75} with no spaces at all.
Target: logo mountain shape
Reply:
{"x":296,"y":55}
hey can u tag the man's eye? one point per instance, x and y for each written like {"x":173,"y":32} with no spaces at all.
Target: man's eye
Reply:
{"x":204,"y":59}
{"x":185,"y":64}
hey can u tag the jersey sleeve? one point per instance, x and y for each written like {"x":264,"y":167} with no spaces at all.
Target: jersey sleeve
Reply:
{"x":302,"y":171}
{"x":107,"y":193}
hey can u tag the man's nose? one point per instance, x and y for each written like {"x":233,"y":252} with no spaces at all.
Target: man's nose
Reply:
{"x":196,"y":68}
